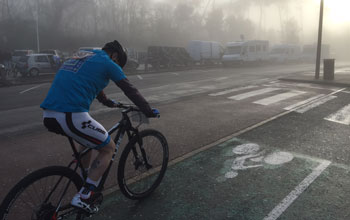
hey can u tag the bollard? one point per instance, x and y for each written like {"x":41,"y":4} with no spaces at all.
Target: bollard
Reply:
{"x":2,"y":73}
{"x":328,"y":69}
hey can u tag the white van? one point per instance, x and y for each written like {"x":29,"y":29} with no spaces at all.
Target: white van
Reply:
{"x":283,"y":53}
{"x":205,"y":51}
{"x":246,"y":51}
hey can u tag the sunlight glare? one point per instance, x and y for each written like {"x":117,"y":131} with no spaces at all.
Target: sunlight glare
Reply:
{"x":338,"y":10}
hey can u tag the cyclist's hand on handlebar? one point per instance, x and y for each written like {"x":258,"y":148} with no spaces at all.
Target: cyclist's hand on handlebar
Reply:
{"x":156,"y":113}
{"x":111,"y":103}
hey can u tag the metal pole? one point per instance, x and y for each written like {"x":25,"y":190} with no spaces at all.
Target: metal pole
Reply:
{"x":37,"y":26}
{"x":319,"y":43}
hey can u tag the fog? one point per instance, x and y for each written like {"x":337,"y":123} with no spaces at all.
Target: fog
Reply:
{"x":69,"y":24}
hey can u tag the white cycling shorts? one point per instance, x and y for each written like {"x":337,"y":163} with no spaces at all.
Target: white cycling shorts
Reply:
{"x":80,"y":126}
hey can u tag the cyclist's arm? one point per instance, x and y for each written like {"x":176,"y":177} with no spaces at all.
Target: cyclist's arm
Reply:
{"x":102,"y":98}
{"x":117,"y":75}
{"x":135,"y":96}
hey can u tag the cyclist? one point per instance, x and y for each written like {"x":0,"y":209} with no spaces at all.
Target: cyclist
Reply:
{"x":77,"y":83}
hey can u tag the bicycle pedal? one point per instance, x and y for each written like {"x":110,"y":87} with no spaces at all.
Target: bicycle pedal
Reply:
{"x":98,"y":199}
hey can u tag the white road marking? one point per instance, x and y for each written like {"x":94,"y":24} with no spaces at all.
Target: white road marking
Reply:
{"x":292,"y":196}
{"x":342,"y":116}
{"x":303,"y":102}
{"x":221,"y":78}
{"x":175,"y":74}
{"x":140,"y":77}
{"x":253,"y":93}
{"x":35,"y":87}
{"x":278,"y":98}
{"x":232,"y":90}
{"x":315,"y":104}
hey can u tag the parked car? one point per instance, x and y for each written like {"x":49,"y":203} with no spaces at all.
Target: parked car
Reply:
{"x":57,"y":55}
{"x":89,"y":48}
{"x":17,"y":54}
{"x":35,"y":64}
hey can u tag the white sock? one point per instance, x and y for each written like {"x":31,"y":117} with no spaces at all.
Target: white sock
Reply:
{"x":86,"y":193}
{"x":92,"y":182}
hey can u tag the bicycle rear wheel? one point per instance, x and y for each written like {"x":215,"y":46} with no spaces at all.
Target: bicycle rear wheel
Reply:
{"x":143,"y":164}
{"x":37,"y":195}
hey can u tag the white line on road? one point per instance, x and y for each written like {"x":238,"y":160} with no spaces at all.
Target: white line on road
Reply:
{"x":35,"y":87}
{"x":221,"y":78}
{"x":253,"y":93}
{"x":140,"y":77}
{"x":175,"y":74}
{"x":287,"y":201}
{"x":315,"y":104}
{"x":342,"y":116}
{"x":232,"y":90}
{"x":278,"y":98}
{"x":303,"y":102}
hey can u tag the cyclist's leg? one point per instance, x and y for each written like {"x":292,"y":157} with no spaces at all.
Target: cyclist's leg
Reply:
{"x":100,"y":164}
{"x":86,"y":159}
{"x":88,"y":132}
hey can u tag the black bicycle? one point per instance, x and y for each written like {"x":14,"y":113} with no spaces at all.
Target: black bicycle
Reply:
{"x":45,"y":194}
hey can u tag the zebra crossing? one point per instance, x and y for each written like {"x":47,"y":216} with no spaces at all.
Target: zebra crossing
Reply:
{"x":299,"y":100}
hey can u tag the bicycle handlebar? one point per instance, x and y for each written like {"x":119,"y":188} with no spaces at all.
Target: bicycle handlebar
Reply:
{"x":130,"y":108}
{"x":127,"y":106}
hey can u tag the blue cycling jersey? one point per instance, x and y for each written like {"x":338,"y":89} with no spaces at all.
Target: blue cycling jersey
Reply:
{"x":79,"y":81}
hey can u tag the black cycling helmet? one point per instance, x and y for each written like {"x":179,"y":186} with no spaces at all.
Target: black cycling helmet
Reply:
{"x":116,"y":47}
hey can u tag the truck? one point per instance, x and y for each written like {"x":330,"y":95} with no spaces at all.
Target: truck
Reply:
{"x":205,"y":52}
{"x":240,"y":52}
{"x":284,"y":53}
{"x":168,"y":57}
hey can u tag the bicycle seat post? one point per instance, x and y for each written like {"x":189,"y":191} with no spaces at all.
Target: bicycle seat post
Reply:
{"x":75,"y":152}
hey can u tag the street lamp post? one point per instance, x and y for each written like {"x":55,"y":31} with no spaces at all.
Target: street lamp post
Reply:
{"x":37,"y":26}
{"x":319,"y":43}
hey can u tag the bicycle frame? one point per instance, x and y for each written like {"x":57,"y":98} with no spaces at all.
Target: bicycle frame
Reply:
{"x":122,"y":127}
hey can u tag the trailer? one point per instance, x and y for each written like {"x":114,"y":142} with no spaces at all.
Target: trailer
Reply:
{"x":205,"y":52}
{"x":239,"y":52}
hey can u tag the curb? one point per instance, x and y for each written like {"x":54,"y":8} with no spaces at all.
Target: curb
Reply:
{"x":322,"y":82}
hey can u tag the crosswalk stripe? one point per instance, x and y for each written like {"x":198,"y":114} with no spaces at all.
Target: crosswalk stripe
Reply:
{"x":303,"y":102}
{"x":278,"y":98}
{"x":232,"y":90}
{"x":253,"y":93}
{"x":315,"y":104}
{"x":342,"y":116}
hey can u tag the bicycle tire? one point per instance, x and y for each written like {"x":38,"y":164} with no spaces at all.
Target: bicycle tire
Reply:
{"x":129,"y":182}
{"x":45,"y":210}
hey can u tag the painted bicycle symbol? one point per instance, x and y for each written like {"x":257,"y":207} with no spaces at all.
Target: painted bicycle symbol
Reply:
{"x":251,"y":156}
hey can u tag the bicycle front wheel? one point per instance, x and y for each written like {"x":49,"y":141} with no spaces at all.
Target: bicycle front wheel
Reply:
{"x":37,"y":196}
{"x":143,"y":164}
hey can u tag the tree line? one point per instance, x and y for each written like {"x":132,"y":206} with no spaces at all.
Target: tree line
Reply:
{"x":69,"y":24}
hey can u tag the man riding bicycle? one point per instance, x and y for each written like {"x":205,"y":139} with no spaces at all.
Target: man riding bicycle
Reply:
{"x":77,"y":83}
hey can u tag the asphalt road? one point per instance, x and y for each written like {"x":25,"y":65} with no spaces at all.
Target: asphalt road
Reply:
{"x":197,"y":108}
